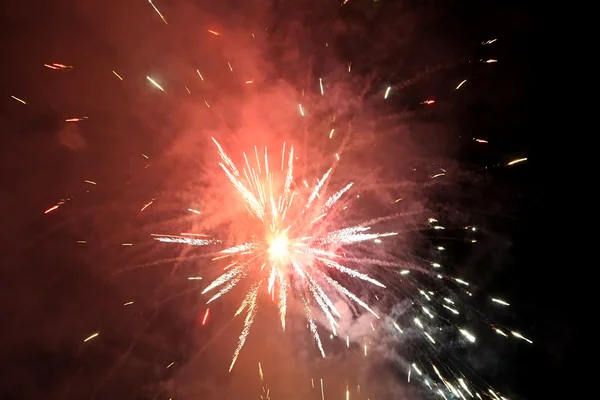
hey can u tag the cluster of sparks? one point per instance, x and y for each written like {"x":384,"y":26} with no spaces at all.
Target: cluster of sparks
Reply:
{"x":304,"y":245}
{"x":298,"y":250}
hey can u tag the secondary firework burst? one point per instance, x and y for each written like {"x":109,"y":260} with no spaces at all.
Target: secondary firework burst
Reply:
{"x":303,"y":244}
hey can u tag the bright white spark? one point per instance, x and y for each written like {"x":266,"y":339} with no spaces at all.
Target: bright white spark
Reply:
{"x":152,"y":81}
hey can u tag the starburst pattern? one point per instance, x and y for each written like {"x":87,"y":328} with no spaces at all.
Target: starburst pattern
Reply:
{"x":300,"y":247}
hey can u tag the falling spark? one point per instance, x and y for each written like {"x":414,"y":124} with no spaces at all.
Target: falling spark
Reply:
{"x":170,"y":365}
{"x":500,"y":332}
{"x":205,"y":318}
{"x":480,"y":140}
{"x":158,"y":12}
{"x":321,"y":86}
{"x":331,"y":133}
{"x":194,"y":211}
{"x":194,"y":278}
{"x":117,"y":75}
{"x":58,"y":66}
{"x":128,"y":303}
{"x":200,"y":75}
{"x":301,"y":110}
{"x":460,"y":84}
{"x":90,"y":182}
{"x":387,"y":92}
{"x":468,"y":335}
{"x":147,"y":205}
{"x":75,"y":119}
{"x":490,"y":61}
{"x":214,"y":32}
{"x":91,"y":336}
{"x":230,"y":67}
{"x":322,"y":390}
{"x":502,"y":302}
{"x":19,"y":100}
{"x":489,"y":42}
{"x":51,"y":209}
{"x":519,"y":336}
{"x":155,"y":84}
{"x":518,"y":160}
{"x":428,"y":102}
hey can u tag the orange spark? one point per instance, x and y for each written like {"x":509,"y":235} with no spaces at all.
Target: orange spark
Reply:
{"x":205,"y":316}
{"x":147,"y":205}
{"x":51,"y":209}
{"x":214,"y":32}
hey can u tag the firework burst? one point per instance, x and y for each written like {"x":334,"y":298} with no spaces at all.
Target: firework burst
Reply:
{"x":303,"y":241}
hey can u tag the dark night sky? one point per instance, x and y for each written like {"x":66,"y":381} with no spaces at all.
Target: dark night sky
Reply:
{"x":54,"y":292}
